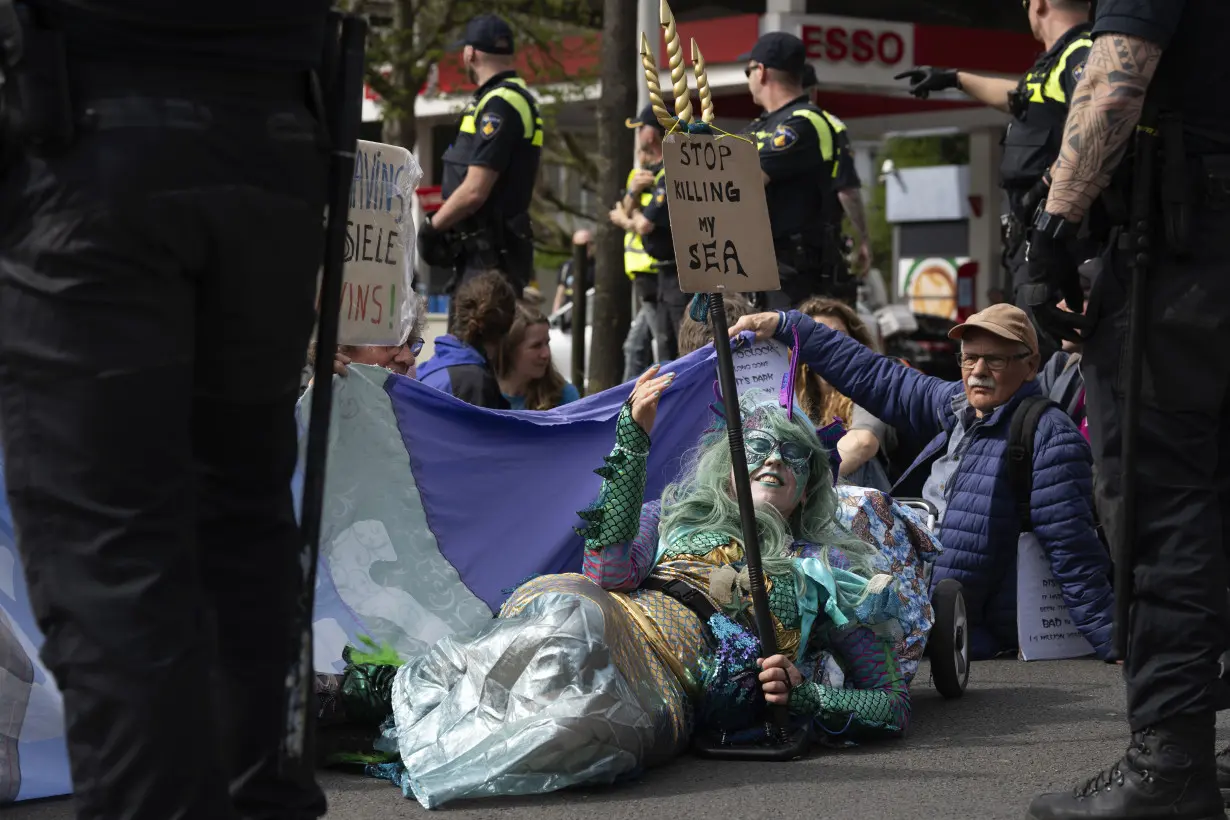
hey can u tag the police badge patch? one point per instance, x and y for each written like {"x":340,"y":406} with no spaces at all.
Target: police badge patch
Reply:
{"x":784,"y":137}
{"x":1078,"y":72}
{"x":490,"y":124}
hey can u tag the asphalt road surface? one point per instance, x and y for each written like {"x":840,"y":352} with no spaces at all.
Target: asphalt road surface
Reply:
{"x":1019,"y":729}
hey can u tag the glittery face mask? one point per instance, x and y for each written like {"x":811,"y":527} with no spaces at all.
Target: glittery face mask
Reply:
{"x":759,"y":446}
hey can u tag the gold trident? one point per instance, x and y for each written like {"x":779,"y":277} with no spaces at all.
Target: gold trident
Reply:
{"x":679,"y":79}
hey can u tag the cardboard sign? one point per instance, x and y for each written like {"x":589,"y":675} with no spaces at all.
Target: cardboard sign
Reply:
{"x":719,"y":215}
{"x":378,"y":303}
{"x":1044,"y":626}
{"x":760,"y":366}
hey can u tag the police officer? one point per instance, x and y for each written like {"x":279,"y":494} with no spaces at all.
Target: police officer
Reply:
{"x":490,"y":169}
{"x":160,"y":227}
{"x":643,"y":213}
{"x":653,"y":321}
{"x":1146,"y":92}
{"x":847,"y":187}
{"x":1038,"y":103}
{"x":798,"y":151}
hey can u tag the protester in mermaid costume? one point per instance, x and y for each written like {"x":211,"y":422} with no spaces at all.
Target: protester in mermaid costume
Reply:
{"x":588,"y":679}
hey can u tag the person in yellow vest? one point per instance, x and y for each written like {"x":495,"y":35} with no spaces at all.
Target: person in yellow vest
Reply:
{"x":1038,"y":103}
{"x":648,"y":253}
{"x":847,"y":186}
{"x":490,"y":169}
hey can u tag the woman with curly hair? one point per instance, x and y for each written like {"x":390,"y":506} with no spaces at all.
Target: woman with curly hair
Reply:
{"x":865,"y":447}
{"x":528,"y":377}
{"x":485,"y":307}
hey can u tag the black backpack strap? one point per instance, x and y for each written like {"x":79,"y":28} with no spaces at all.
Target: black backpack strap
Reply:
{"x":1021,"y":453}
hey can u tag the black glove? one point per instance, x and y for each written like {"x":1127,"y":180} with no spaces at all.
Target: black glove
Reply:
{"x":1053,"y":274}
{"x":925,"y":80}
{"x":434,"y":246}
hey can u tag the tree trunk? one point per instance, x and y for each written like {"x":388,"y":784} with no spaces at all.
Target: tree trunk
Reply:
{"x":400,"y":126}
{"x":613,"y":297}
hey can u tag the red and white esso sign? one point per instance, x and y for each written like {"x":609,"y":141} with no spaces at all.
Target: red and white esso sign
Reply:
{"x":860,"y":46}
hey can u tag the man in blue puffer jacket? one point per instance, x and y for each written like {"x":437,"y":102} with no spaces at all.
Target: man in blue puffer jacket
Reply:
{"x":964,"y":470}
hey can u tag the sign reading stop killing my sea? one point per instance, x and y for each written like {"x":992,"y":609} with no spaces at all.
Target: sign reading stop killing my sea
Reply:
{"x":719,"y":215}
{"x":378,"y":304}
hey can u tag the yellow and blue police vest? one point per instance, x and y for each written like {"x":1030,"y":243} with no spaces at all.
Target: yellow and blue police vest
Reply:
{"x":1033,"y":139}
{"x":637,"y":262}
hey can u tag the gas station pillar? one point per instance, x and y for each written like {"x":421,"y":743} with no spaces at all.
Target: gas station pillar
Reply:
{"x":984,"y":212}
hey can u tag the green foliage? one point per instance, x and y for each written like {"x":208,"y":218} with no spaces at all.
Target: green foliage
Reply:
{"x":907,"y":152}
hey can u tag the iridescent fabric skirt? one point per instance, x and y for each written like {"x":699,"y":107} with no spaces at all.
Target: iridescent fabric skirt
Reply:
{"x":570,"y":685}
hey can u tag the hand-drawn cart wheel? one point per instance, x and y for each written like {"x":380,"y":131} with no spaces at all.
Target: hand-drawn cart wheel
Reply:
{"x":949,"y":643}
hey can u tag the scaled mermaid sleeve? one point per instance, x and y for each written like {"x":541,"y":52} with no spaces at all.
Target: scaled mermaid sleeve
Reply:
{"x":879,"y":703}
{"x":620,"y":537}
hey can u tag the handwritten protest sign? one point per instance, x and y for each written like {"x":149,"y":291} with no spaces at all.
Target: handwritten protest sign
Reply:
{"x":761,"y":365}
{"x":378,"y":303}
{"x":719,"y":216}
{"x":1044,"y":625}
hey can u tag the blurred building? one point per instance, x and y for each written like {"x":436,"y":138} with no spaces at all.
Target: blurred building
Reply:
{"x":856,"y":53}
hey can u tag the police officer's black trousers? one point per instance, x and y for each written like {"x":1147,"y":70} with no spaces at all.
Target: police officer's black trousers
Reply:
{"x":1182,"y":516}
{"x":157,"y":283}
{"x":672,"y":307}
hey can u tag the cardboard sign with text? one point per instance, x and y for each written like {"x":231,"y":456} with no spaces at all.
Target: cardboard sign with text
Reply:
{"x":1044,"y":625}
{"x":719,"y":215}
{"x":378,"y":303}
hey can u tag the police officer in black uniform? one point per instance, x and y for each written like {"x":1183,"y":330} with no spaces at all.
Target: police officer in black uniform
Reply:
{"x":1151,"y":90}
{"x":490,"y":169}
{"x":848,"y":192}
{"x":652,"y":223}
{"x":1038,"y":103}
{"x":798,"y":150}
{"x":161,"y":229}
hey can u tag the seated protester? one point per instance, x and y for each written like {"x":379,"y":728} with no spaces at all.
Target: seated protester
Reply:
{"x":620,"y":665}
{"x":964,"y":472}
{"x":485,"y":308}
{"x":865,"y":447}
{"x":528,"y":378}
{"x":694,"y":335}
{"x":401,"y":359}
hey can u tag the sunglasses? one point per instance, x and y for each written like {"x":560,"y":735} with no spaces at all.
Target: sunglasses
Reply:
{"x":759,"y":446}
{"x":416,"y":346}
{"x":747,"y":72}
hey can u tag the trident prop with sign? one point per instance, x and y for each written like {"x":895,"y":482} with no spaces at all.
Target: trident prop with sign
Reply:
{"x":723,"y":244}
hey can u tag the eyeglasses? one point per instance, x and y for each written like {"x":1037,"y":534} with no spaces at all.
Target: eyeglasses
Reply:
{"x":968,"y":361}
{"x":747,"y":71}
{"x":416,"y":346}
{"x":759,"y":446}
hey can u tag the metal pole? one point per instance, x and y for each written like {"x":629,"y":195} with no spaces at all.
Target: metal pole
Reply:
{"x":580,"y":313}
{"x":743,"y":491}
{"x":347,"y":101}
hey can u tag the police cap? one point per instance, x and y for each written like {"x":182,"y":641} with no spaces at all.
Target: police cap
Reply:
{"x":647,"y":117}
{"x":488,"y":34}
{"x":780,"y":50}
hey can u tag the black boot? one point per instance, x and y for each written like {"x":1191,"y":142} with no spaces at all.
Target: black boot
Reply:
{"x":1168,"y":772}
{"x":1223,"y":774}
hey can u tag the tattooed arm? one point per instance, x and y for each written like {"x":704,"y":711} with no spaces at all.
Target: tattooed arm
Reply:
{"x":1102,"y":118}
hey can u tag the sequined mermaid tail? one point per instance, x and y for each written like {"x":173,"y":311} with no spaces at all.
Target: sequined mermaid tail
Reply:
{"x":568,"y":686}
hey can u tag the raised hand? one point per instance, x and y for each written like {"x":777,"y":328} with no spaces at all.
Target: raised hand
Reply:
{"x":927,"y":79}
{"x":764,"y":325}
{"x":646,"y":394}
